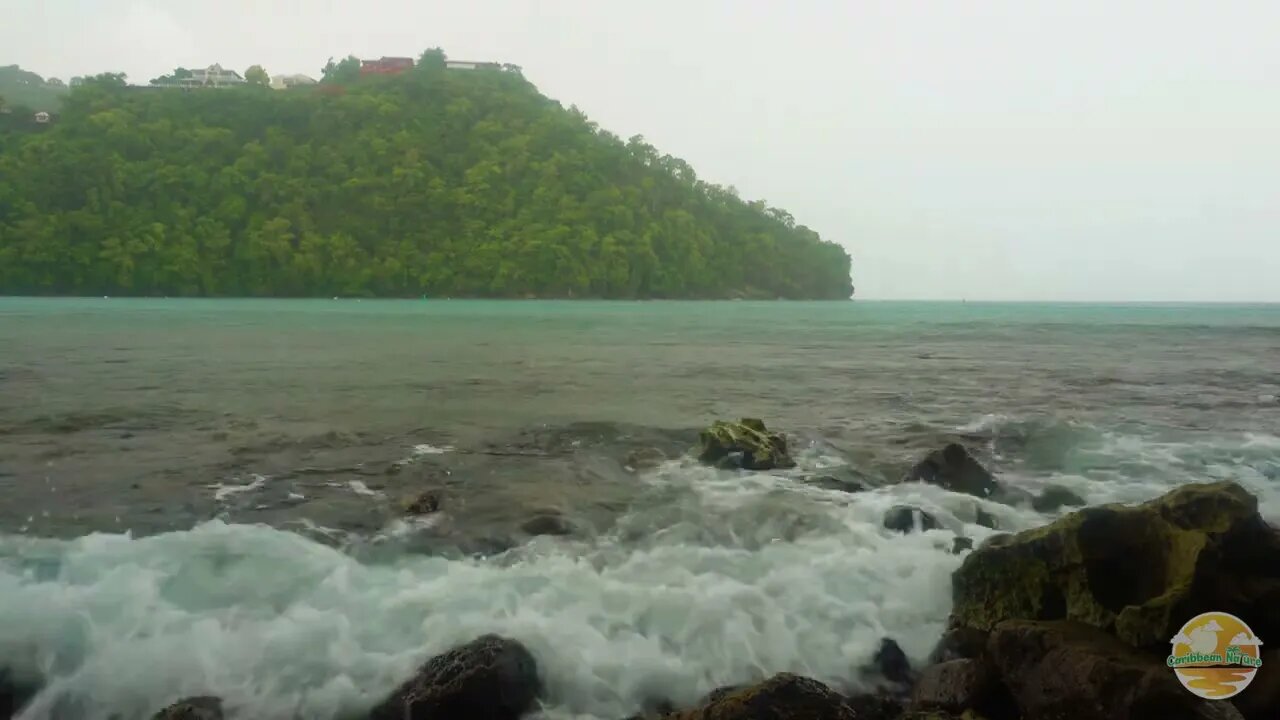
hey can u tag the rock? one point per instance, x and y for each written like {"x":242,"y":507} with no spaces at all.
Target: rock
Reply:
{"x":956,"y":686}
{"x":892,"y":663}
{"x":746,"y":444}
{"x":1139,"y":572}
{"x":645,"y":458}
{"x":193,"y":708}
{"x":1260,"y":700}
{"x":781,"y":697}
{"x":986,"y":519}
{"x":547,"y":524}
{"x":842,"y":478}
{"x":1054,"y":498}
{"x":954,"y":468}
{"x":15,"y":692}
{"x":1064,"y":670}
{"x":958,"y":643}
{"x":490,"y":677}
{"x":1010,"y":495}
{"x":960,"y":544}
{"x":875,"y":706}
{"x":422,"y":504}
{"x":905,"y":519}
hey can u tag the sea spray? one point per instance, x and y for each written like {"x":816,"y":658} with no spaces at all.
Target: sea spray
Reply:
{"x":748,"y":575}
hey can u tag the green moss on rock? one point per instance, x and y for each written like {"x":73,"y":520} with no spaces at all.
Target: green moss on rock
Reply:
{"x":747,"y":444}
{"x":1129,"y":570}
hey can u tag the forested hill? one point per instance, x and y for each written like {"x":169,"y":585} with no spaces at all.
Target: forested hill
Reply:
{"x":443,"y":182}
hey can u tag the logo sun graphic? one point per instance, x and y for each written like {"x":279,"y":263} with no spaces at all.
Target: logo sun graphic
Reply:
{"x":1215,"y":655}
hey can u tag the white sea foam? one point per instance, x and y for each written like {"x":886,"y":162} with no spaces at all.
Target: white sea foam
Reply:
{"x":729,"y":578}
{"x":222,"y":492}
{"x":712,"y":578}
{"x":425,"y":449}
{"x":358,"y":487}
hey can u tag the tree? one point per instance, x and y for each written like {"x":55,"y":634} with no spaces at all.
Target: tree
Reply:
{"x":346,"y":70}
{"x":443,"y":183}
{"x":256,"y":75}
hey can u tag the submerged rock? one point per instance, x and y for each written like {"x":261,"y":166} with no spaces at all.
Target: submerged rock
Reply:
{"x":960,"y":544}
{"x":193,"y":708}
{"x":842,"y":478}
{"x":906,"y":519}
{"x":490,"y":677}
{"x":547,"y":524}
{"x":645,"y":458}
{"x":986,"y":519}
{"x":746,"y":444}
{"x":1054,"y":498}
{"x":1069,"y":670}
{"x":15,"y":692}
{"x":1139,"y":572}
{"x":422,"y":504}
{"x":955,"y":469}
{"x":781,"y":697}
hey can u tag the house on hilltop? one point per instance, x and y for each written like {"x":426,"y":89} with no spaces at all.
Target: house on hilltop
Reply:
{"x":471,"y":65}
{"x":213,"y":76}
{"x":284,"y":82}
{"x":385,"y":66}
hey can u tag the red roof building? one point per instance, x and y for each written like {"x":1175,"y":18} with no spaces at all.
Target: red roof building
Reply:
{"x":385,"y":66}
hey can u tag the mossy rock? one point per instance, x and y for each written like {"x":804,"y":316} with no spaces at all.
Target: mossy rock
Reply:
{"x":782,"y":697}
{"x":747,"y":444}
{"x":1138,"y":572}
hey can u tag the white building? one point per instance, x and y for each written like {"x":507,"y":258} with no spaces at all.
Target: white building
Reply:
{"x":284,"y":82}
{"x":42,"y":117}
{"x":469,"y":65}
{"x":212,"y":76}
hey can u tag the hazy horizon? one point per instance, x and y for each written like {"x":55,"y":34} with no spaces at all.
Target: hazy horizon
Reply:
{"x":999,"y":150}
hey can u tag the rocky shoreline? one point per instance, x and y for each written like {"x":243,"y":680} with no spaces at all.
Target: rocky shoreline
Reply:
{"x":1069,"y":621}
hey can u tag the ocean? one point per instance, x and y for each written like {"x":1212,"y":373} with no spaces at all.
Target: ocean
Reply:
{"x":204,"y":496}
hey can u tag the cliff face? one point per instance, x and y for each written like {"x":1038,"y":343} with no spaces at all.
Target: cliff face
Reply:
{"x":435,"y":181}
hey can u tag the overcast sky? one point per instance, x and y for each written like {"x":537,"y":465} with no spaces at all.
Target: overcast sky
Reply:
{"x":980,"y":149}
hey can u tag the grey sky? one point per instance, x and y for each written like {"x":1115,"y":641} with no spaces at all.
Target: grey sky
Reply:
{"x":986,"y":149}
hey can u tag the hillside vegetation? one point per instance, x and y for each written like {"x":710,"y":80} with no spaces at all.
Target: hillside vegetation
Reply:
{"x":28,"y":91}
{"x":439,"y":182}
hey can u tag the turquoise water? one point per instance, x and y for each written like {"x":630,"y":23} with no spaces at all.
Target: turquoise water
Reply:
{"x":201,"y":496}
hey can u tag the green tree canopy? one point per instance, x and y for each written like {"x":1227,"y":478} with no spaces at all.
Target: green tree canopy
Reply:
{"x":346,"y":70}
{"x":27,"y":89}
{"x":256,"y":75}
{"x":440,"y":182}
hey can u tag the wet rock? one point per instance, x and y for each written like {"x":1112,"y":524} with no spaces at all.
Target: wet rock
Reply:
{"x":781,"y":697}
{"x":194,"y":708}
{"x":891,"y":663}
{"x":746,"y":444}
{"x":986,"y":519}
{"x":1009,"y":495}
{"x":955,"y":686}
{"x":876,"y":706}
{"x":961,"y":544}
{"x":958,"y":643}
{"x":1261,"y":699}
{"x":15,"y":692}
{"x":954,"y":468}
{"x":490,"y":677}
{"x":423,"y":503}
{"x":1138,"y":572}
{"x":1064,"y":669}
{"x":905,"y":519}
{"x":547,"y":524}
{"x":842,"y":478}
{"x":1054,"y":498}
{"x":645,"y":458}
